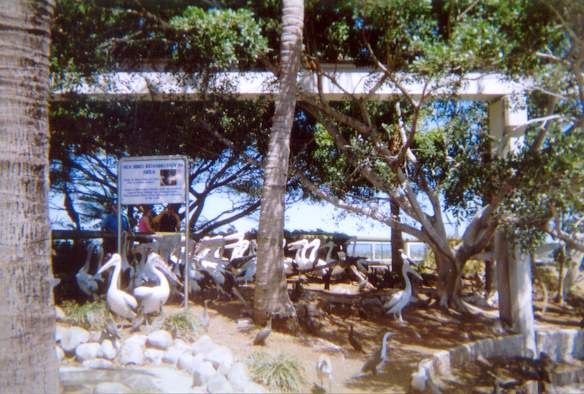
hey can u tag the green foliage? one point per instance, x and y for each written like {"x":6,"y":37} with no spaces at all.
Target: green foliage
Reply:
{"x":218,"y":39}
{"x":89,"y":315}
{"x":280,"y":373}
{"x":183,"y":325}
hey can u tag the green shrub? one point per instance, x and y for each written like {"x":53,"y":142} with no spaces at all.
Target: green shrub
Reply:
{"x":279,"y":373}
{"x":89,"y":315}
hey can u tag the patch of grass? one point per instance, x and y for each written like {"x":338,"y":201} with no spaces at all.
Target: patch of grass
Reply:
{"x":183,"y":325}
{"x":89,"y":315}
{"x":280,"y":373}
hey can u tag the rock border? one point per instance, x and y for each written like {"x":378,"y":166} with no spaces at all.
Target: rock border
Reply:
{"x":564,"y":345}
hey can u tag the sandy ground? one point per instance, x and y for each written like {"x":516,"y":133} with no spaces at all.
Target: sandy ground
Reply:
{"x":427,"y":330}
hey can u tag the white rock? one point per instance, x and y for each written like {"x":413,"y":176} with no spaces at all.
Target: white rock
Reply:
{"x":98,"y":363}
{"x":203,"y":345}
{"x":221,"y":358}
{"x":111,"y":387}
{"x":108,"y":350}
{"x":202,"y":371}
{"x":153,"y":356}
{"x":253,"y":387}
{"x":94,"y":336}
{"x":218,"y":384}
{"x":60,"y":353}
{"x":73,"y":337}
{"x":137,"y":338}
{"x":419,"y":380}
{"x":185,"y":361}
{"x":88,"y":351}
{"x":238,"y":376}
{"x":160,"y":339}
{"x":132,"y":352}
{"x":59,"y":314}
{"x":173,"y":353}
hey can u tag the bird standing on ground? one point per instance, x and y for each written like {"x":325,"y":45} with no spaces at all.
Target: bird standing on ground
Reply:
{"x":204,"y":318}
{"x":354,"y":341}
{"x":87,"y":282}
{"x":262,"y":335}
{"x":110,"y":330}
{"x":324,"y":370}
{"x":379,"y":358}
{"x":153,"y":297}
{"x":402,"y":298}
{"x":118,"y":301}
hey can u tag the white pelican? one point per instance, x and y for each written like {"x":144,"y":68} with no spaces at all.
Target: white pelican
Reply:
{"x":302,"y":246}
{"x":239,"y":249}
{"x":399,"y":300}
{"x":87,"y":282}
{"x":153,"y":297}
{"x":119,"y":302}
{"x":324,"y":370}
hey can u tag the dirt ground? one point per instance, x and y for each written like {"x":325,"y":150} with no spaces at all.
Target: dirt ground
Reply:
{"x":427,"y":330}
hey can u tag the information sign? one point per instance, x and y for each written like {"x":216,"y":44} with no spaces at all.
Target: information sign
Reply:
{"x":153,"y":180}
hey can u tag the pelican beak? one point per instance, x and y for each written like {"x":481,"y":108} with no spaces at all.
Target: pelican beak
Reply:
{"x":164,"y":268}
{"x":110,"y":263}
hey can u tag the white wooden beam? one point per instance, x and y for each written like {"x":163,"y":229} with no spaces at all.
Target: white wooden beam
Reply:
{"x":152,"y":85}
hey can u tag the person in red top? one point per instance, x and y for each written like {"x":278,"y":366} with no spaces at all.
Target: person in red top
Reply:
{"x":145,"y":223}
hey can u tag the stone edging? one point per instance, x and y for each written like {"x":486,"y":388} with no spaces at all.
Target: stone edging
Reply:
{"x":561,"y":345}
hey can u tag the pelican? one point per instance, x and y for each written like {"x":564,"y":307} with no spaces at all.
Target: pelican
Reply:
{"x":87,"y":282}
{"x":239,"y":249}
{"x":153,"y":297}
{"x":247,"y":272}
{"x":118,"y":301}
{"x":377,"y":362}
{"x":324,"y":370}
{"x":399,"y":300}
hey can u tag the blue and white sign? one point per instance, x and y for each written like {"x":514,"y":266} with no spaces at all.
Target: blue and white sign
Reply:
{"x":153,"y":180}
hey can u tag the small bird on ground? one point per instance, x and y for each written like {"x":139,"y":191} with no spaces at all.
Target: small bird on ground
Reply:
{"x":204,"y":318}
{"x":379,"y":358}
{"x":354,"y":341}
{"x":110,"y":330}
{"x":324,"y":370}
{"x":263,"y":334}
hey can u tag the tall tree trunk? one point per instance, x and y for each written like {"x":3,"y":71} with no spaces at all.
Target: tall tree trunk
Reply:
{"x":397,"y":240}
{"x":271,"y":293}
{"x":28,"y":362}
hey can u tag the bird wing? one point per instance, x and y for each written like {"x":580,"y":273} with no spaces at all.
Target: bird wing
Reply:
{"x":393,"y":300}
{"x":130,"y":301}
{"x":143,"y":291}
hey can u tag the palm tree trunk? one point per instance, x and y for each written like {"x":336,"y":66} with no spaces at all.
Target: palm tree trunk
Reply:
{"x":28,"y":362}
{"x":271,"y":293}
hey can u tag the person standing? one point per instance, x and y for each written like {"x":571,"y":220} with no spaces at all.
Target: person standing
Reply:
{"x":168,"y":220}
{"x":145,"y":223}
{"x":109,"y":224}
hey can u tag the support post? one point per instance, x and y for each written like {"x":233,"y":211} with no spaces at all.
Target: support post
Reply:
{"x":513,"y":269}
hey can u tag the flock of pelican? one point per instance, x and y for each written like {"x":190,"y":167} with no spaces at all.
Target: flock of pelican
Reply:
{"x":149,"y":288}
{"x":154,"y":264}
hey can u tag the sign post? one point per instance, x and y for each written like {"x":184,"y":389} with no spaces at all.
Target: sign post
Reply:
{"x":155,"y":180}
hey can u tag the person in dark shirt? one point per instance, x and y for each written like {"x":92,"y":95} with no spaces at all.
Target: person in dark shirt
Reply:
{"x":110,"y":224}
{"x":167,"y":220}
